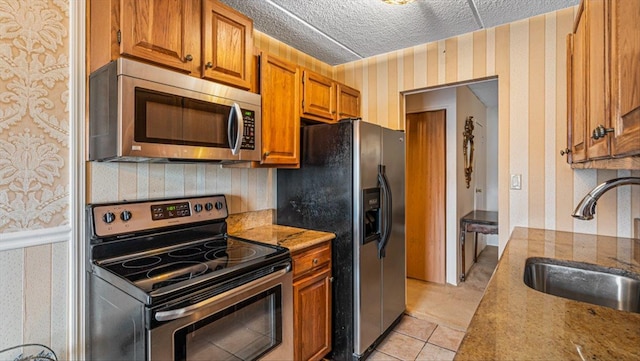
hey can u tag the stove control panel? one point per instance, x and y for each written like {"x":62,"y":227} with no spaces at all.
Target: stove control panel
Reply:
{"x":122,"y":218}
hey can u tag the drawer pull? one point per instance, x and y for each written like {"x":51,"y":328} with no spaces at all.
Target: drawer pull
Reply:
{"x":315,"y":261}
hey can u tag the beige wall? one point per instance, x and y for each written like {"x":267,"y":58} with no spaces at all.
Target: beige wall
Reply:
{"x":34,"y":172}
{"x":528,"y":57}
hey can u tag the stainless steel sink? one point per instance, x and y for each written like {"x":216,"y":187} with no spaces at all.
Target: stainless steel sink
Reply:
{"x":609,"y":287}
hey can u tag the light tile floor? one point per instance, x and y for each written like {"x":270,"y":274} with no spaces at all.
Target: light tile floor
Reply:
{"x":431,"y":330}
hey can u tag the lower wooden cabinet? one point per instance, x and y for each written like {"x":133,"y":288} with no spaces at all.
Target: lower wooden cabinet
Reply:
{"x":312,"y":302}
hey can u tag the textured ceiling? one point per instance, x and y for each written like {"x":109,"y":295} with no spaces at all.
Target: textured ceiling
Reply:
{"x":340,"y":31}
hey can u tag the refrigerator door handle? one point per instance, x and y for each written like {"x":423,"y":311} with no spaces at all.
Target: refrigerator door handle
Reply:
{"x":386,"y":211}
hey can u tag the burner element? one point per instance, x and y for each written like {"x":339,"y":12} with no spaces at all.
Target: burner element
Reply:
{"x":142,"y":262}
{"x":185,"y":252}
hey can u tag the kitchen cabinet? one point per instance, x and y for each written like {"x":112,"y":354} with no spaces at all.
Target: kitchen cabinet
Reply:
{"x":603,"y":108}
{"x":227,"y":45}
{"x":576,"y":129}
{"x":280,"y":90}
{"x":318,"y":97}
{"x":348,"y":105}
{"x":312,"y":302}
{"x":203,"y":38}
{"x":326,"y":100}
{"x":625,"y":77}
{"x":161,"y":31}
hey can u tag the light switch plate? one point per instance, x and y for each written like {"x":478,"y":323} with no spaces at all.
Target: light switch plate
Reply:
{"x":516,"y":181}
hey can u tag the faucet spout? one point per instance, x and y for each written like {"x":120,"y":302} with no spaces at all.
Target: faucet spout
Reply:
{"x":587,"y":206}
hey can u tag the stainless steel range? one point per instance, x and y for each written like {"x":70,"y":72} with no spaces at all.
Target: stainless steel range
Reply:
{"x":166,"y":282}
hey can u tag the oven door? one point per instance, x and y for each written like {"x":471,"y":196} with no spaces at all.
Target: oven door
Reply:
{"x":252,"y":321}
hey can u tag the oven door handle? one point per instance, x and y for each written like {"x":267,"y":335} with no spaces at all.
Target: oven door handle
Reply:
{"x":189,"y":310}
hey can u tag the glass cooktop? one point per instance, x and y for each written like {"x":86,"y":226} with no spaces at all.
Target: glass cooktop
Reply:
{"x":219,"y":256}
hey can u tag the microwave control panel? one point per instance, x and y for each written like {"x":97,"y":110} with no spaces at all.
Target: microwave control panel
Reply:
{"x":249,"y":138}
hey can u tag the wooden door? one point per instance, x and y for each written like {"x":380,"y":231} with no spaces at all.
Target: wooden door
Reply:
{"x":597,"y":77}
{"x":165,"y":32}
{"x":280,"y":89}
{"x":578,"y":121}
{"x":318,"y":97}
{"x":425,"y":196}
{"x":227,"y":45}
{"x":625,"y":77}
{"x":348,"y":102}
{"x":312,"y":319}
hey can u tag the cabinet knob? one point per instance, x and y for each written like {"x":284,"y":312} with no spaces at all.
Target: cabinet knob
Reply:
{"x":266,"y":154}
{"x":189,"y":57}
{"x":208,"y":65}
{"x":565,"y":151}
{"x":601,"y":132}
{"x":315,"y":261}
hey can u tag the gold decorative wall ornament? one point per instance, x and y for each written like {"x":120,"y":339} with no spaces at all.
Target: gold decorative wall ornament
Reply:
{"x":467,"y":149}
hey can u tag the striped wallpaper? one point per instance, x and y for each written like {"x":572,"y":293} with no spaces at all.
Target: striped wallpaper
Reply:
{"x":528,"y":57}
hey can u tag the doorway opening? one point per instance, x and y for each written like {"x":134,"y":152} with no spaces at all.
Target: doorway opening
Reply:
{"x":440,"y":247}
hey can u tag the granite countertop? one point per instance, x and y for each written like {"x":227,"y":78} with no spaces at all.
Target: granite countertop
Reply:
{"x":515,"y":322}
{"x":292,"y":238}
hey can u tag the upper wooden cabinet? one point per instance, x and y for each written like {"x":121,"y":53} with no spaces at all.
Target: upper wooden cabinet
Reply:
{"x":161,"y":31}
{"x":280,"y":89}
{"x":204,"y":38}
{"x":227,"y":44}
{"x":603,"y":73}
{"x":326,"y":100}
{"x":348,"y":102}
{"x":625,"y":77}
{"x":318,"y":97}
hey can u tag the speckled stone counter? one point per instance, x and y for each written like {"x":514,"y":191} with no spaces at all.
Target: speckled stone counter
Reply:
{"x":515,"y":322}
{"x":290,"y":237}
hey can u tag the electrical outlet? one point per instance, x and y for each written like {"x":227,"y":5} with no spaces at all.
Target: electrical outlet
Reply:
{"x":516,"y":181}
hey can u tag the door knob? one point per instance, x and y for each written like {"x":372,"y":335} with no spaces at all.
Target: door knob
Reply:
{"x":600,"y":132}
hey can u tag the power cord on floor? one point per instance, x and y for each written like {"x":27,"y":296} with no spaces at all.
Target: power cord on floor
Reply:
{"x":45,"y":354}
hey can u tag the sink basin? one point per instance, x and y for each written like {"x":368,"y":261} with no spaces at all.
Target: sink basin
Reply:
{"x":584,"y":282}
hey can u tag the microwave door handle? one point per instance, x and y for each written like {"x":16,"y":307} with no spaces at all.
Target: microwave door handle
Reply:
{"x":237,"y":143}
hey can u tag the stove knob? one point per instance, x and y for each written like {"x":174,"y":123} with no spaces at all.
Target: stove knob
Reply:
{"x":125,"y":215}
{"x":197,"y":208}
{"x":109,"y":217}
{"x":208,"y":206}
{"x":219,"y":205}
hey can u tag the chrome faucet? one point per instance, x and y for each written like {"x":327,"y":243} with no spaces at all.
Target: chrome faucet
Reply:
{"x":587,"y":206}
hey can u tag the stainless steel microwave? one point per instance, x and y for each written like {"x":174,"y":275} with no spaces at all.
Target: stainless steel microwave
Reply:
{"x":139,"y":112}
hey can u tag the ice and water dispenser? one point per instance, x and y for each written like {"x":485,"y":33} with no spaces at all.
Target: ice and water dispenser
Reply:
{"x":371,"y":214}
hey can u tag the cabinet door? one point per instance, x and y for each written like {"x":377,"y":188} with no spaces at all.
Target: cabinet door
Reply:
{"x":280,"y":89}
{"x":161,"y":31}
{"x":312,"y":316}
{"x":227,"y":45}
{"x":625,"y":77}
{"x":318,"y":98}
{"x":348,"y":102}
{"x":578,"y":121}
{"x":597,"y":77}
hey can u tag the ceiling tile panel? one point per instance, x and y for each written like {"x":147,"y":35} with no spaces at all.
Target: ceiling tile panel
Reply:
{"x":337,"y":32}
{"x":498,"y":12}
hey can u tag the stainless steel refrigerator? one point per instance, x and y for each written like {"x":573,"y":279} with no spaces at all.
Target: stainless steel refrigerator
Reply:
{"x":351,"y":183}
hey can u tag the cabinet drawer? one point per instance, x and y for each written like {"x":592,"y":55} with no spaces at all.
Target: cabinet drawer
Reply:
{"x":310,"y":259}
